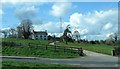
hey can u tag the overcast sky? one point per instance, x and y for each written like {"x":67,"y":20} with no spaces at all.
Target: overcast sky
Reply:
{"x":94,"y":20}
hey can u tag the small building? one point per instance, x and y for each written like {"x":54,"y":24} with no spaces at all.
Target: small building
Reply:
{"x":40,"y":35}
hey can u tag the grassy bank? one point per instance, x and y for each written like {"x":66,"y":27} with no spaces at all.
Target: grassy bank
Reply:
{"x":35,"y":65}
{"x":100,"y":48}
{"x":24,"y":40}
{"x":34,"y":51}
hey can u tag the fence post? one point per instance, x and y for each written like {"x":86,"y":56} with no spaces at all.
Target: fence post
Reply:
{"x":71,"y":49}
{"x":29,"y":44}
{"x":80,"y":51}
{"x":113,"y":52}
{"x":46,"y":47}
{"x":55,"y":47}
{"x":64,"y":49}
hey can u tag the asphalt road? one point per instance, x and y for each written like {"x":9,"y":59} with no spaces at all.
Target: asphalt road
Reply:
{"x":91,"y":60}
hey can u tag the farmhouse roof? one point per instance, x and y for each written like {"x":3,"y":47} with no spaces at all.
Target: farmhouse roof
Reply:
{"x":41,"y":32}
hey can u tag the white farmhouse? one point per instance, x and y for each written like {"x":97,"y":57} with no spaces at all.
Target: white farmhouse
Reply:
{"x":39,"y":35}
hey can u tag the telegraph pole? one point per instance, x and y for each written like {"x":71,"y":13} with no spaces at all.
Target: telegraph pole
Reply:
{"x":60,"y":24}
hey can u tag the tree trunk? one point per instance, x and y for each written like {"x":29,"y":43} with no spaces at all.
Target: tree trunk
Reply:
{"x":26,"y":35}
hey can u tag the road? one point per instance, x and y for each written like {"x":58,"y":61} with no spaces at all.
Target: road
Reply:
{"x":91,"y":60}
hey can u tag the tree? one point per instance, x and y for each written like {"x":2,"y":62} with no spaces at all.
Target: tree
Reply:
{"x":5,"y":32}
{"x":12,"y":32}
{"x":66,"y":34}
{"x":76,"y":35}
{"x":113,"y":37}
{"x":26,"y":28}
{"x":116,"y":37}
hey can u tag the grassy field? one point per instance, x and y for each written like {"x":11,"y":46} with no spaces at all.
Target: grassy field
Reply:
{"x":24,"y":40}
{"x":34,"y":51}
{"x":100,"y":48}
{"x":10,"y":64}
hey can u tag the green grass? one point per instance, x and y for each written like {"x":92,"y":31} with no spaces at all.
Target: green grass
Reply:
{"x":100,"y":48}
{"x":10,"y":64}
{"x":25,"y":40}
{"x":35,"y":52}
{"x":29,"y":64}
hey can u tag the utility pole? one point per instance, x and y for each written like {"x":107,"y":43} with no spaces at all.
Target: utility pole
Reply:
{"x":60,"y":24}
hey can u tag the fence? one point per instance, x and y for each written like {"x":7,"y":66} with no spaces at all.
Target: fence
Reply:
{"x":55,"y":48}
{"x":58,"y":48}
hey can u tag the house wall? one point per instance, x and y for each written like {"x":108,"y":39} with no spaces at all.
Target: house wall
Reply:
{"x":41,"y":37}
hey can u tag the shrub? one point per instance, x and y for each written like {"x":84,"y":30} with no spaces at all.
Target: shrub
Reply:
{"x":109,"y":42}
{"x":3,"y":43}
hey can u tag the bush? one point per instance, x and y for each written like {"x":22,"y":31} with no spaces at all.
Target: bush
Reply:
{"x":92,"y":42}
{"x":3,"y":43}
{"x":109,"y":42}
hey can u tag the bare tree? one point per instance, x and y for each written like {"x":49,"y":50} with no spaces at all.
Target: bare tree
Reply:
{"x":26,"y":28}
{"x":113,"y":37}
{"x":67,"y":33}
{"x":76,"y":35}
{"x":5,"y":32}
{"x":12,"y":32}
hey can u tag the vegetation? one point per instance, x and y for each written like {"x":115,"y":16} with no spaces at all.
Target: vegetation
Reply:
{"x":100,"y":48}
{"x":27,"y":26}
{"x":35,"y":51}
{"x":20,"y":40}
{"x":28,"y":64}
{"x":34,"y":65}
{"x":67,"y":34}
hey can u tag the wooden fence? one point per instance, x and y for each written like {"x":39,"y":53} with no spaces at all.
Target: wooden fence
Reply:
{"x":58,"y":48}
{"x":55,"y":48}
